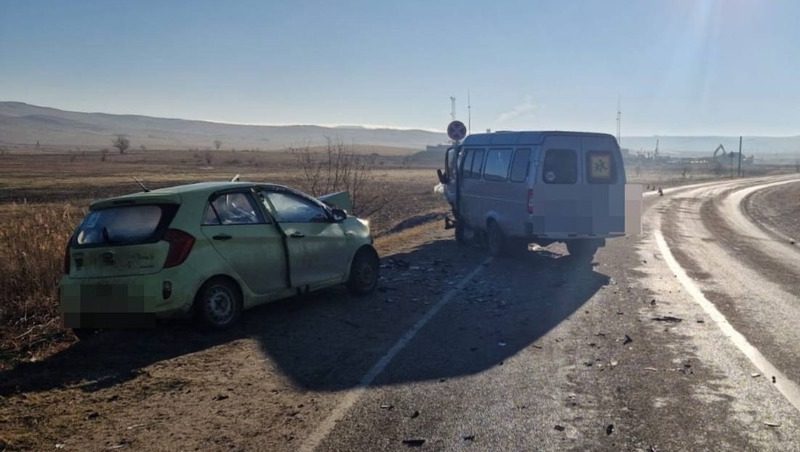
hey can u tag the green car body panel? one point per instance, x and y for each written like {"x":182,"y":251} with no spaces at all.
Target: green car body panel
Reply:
{"x":270,"y":259}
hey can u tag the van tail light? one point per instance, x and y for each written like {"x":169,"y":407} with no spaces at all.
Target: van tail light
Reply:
{"x":530,"y":201}
{"x":66,"y":266}
{"x":180,"y":245}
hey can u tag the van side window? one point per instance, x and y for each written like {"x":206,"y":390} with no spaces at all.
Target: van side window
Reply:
{"x":600,"y":167}
{"x":519,"y":168}
{"x":497,"y":163}
{"x":472,"y":169}
{"x":560,"y":166}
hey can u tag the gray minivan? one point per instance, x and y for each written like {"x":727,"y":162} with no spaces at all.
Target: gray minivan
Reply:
{"x":516,"y":188}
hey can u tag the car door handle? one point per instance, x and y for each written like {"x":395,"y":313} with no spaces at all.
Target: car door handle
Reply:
{"x":297,"y":235}
{"x":222,"y":237}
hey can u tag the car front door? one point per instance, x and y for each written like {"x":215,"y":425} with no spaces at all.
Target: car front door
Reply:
{"x":316,"y":244}
{"x":248,"y":240}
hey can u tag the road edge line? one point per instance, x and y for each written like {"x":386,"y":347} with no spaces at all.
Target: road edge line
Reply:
{"x":787,"y":388}
{"x":326,"y":426}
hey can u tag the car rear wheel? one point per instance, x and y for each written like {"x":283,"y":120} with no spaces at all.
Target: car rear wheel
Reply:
{"x":84,"y":334}
{"x":218,"y":304}
{"x":364,"y":272}
{"x":495,"y":239}
{"x":583,"y":249}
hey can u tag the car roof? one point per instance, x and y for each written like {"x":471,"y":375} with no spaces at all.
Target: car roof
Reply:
{"x":522,"y":137}
{"x":172,"y":195}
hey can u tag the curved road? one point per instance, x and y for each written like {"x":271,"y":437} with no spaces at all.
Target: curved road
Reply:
{"x":668,"y":341}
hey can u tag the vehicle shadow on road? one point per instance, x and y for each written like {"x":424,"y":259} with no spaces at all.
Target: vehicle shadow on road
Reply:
{"x":330,"y":344}
{"x":329,"y":340}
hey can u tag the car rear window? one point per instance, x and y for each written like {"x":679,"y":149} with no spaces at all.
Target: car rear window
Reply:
{"x":560,"y":166}
{"x":600,"y":167}
{"x":123,"y":225}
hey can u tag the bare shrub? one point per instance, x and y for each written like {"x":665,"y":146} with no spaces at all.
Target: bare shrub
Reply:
{"x":122,"y":143}
{"x":335,"y":169}
{"x":217,"y":144}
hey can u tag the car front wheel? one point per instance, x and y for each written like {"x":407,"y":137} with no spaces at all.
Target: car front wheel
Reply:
{"x":364,"y":272}
{"x":218,"y":304}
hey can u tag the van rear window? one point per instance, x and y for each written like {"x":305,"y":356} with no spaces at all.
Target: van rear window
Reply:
{"x":124,"y":225}
{"x":600,"y":167}
{"x":560,"y":166}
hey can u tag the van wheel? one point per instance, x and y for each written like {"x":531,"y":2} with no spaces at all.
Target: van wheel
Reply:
{"x":583,"y":249}
{"x":364,"y":272}
{"x":219,"y":304}
{"x":461,"y":238}
{"x":495,"y":239}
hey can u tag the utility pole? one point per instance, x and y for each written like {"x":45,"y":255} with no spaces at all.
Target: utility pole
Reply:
{"x":619,"y":121}
{"x":740,"y":156}
{"x":469,"y":113}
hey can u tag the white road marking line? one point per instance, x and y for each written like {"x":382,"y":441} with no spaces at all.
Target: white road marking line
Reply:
{"x":787,"y":387}
{"x":326,"y":426}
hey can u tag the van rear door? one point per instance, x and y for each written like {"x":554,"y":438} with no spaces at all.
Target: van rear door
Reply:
{"x":580,"y":188}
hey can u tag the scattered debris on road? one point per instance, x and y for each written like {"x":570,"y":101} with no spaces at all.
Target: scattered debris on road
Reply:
{"x":668,"y":318}
{"x":755,"y":374}
{"x":469,"y":438}
{"x":560,"y":428}
{"x":610,"y":429}
{"x":387,"y":406}
{"x":416,"y":442}
{"x":627,"y":340}
{"x":415,"y":414}
{"x":772,"y":424}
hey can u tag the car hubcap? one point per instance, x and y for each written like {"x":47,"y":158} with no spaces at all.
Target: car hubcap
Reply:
{"x":220,"y":305}
{"x":367,"y":275}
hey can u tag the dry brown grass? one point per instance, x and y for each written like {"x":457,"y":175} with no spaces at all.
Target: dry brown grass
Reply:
{"x":32,"y":241}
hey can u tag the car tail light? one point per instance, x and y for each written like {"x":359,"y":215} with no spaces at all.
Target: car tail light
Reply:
{"x":530,"y":201}
{"x":180,"y":244}
{"x":66,"y":266}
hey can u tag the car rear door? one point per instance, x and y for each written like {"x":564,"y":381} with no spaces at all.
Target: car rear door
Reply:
{"x":248,"y":240}
{"x":316,"y":244}
{"x":604,"y":185}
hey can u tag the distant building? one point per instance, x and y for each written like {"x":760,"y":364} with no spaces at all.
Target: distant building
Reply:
{"x":440,"y":148}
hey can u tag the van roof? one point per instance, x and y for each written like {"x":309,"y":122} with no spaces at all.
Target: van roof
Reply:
{"x":523,"y":137}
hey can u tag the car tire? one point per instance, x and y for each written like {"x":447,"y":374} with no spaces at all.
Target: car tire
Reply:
{"x":85,"y":334}
{"x":495,"y":239}
{"x":583,"y":249}
{"x":218,"y":304}
{"x":461,"y":238}
{"x":364,"y":271}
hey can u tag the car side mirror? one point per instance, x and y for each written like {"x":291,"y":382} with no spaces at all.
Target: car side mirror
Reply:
{"x":338,"y":215}
{"x":442,"y":177}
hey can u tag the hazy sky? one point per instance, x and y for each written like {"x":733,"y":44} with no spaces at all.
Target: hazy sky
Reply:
{"x":679,"y":66}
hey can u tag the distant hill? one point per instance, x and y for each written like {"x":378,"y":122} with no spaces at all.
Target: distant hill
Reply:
{"x":24,"y":124}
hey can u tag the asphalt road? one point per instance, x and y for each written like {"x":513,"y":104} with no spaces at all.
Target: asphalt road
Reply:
{"x":667,"y":341}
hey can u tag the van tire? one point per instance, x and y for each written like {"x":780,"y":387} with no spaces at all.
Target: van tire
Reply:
{"x":460,"y":233}
{"x":583,"y":249}
{"x":364,"y":272}
{"x":496,"y":242}
{"x":218,"y":304}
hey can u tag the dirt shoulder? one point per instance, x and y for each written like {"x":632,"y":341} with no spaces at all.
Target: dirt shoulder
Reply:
{"x":777,"y":208}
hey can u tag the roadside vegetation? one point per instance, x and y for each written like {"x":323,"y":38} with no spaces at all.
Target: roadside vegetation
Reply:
{"x":44,"y":195}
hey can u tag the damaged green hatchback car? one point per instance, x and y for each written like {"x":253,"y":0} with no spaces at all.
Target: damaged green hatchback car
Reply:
{"x":209,"y":250}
